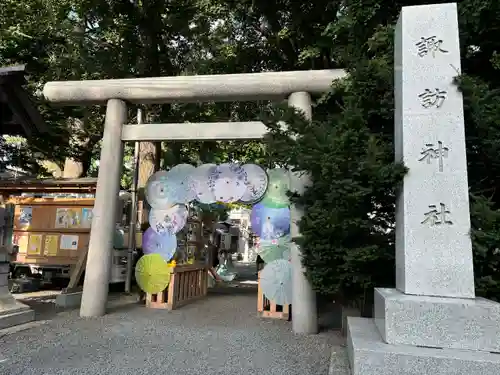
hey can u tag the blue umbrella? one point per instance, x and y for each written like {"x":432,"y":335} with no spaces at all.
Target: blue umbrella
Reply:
{"x":270,"y":223}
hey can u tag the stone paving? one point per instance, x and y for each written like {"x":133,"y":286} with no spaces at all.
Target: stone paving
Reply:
{"x":219,"y":335}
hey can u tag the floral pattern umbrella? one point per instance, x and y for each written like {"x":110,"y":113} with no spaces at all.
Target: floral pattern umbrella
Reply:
{"x":256,"y":181}
{"x":227,"y":181}
{"x":158,"y":191}
{"x":279,"y":185}
{"x":170,"y":221}
{"x":180,"y":180}
{"x":271,"y":250}
{"x":200,"y":184}
{"x":276,"y":281}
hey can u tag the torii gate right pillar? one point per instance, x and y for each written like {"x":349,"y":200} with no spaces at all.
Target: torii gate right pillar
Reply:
{"x":304,"y":311}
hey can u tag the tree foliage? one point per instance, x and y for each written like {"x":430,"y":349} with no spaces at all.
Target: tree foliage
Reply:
{"x":348,"y":225}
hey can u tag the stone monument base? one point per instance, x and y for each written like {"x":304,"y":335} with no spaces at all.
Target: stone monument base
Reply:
{"x":370,"y":355}
{"x":453,"y":323}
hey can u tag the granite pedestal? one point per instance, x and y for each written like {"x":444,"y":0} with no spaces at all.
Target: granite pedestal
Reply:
{"x":370,"y":355}
{"x":453,"y":323}
{"x":422,"y":335}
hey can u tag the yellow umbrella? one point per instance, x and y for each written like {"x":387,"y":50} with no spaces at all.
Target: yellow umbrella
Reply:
{"x":152,"y":273}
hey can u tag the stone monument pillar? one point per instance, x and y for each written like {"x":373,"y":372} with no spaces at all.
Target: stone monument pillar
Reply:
{"x":12,"y":312}
{"x":431,"y":323}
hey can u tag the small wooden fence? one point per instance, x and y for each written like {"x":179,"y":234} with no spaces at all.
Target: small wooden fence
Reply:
{"x":188,"y":283}
{"x":268,"y":309}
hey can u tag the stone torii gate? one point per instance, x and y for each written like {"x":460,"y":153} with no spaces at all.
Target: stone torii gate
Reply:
{"x":296,"y":86}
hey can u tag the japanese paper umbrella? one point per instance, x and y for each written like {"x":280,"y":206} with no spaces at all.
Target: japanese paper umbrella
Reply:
{"x":256,"y":181}
{"x":201,"y":184}
{"x":279,"y":184}
{"x":171,"y":220}
{"x":152,"y":273}
{"x":180,"y":179}
{"x":270,"y":223}
{"x":276,"y":281}
{"x":271,"y":250}
{"x":228,"y":181}
{"x":158,"y":191}
{"x":163,"y":244}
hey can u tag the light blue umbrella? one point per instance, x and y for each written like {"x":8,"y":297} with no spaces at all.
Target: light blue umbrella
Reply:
{"x":271,"y":250}
{"x":276,"y":282}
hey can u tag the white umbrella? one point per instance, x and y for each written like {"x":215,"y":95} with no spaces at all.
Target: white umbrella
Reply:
{"x":158,"y":191}
{"x":276,"y":281}
{"x":180,"y":178}
{"x":256,"y":181}
{"x":228,"y":182}
{"x":171,"y":220}
{"x":201,"y":184}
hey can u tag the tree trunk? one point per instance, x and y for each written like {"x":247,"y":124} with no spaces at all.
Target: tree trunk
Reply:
{"x":149,"y":163}
{"x":52,"y":168}
{"x":72,"y":168}
{"x":149,"y":152}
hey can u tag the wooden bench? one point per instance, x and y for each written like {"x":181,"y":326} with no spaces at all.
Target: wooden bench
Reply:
{"x":187,"y":284}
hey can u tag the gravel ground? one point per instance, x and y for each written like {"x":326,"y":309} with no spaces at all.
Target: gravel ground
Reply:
{"x":219,"y":335}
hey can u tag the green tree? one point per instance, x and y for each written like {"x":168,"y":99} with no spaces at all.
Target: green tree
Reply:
{"x":348,"y":236}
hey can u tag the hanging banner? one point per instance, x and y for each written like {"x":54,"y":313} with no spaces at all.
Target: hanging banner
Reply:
{"x":69,"y":242}
{"x":35,"y":244}
{"x":51,"y":245}
{"x":25,"y":217}
{"x":87,"y":214}
{"x":68,"y":218}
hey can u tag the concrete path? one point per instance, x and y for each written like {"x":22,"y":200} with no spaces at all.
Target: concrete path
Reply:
{"x":219,"y":335}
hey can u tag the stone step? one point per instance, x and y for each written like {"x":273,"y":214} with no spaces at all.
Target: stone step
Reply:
{"x":17,"y":317}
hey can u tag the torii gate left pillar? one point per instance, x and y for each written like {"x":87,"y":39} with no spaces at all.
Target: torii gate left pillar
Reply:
{"x":296,"y":86}
{"x":98,"y":269}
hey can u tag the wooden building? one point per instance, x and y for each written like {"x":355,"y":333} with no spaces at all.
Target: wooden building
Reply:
{"x":18,"y":113}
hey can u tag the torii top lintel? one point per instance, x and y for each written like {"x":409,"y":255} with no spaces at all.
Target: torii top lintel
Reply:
{"x":197,"y":88}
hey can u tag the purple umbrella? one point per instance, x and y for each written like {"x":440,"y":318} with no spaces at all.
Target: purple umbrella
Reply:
{"x":164,"y":244}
